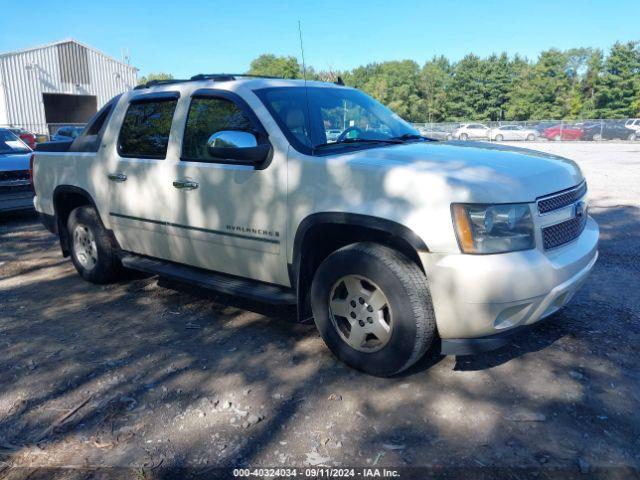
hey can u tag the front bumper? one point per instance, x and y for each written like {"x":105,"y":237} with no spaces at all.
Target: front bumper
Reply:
{"x":479,"y":300}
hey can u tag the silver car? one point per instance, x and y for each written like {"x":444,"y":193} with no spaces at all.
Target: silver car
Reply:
{"x":436,"y":133}
{"x":512,"y":132}
{"x":471,"y":131}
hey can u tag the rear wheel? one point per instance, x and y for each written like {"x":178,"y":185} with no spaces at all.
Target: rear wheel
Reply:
{"x":464,"y":136}
{"x":499,"y":138}
{"x":531,"y":137}
{"x":94,"y":252}
{"x":372,"y":307}
{"x":557,"y":138}
{"x":631,"y":137}
{"x":596,"y":137}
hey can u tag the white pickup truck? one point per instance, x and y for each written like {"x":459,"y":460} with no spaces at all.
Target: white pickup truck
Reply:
{"x":391,"y":241}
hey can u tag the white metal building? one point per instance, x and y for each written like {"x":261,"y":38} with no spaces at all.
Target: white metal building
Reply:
{"x":64,"y":82}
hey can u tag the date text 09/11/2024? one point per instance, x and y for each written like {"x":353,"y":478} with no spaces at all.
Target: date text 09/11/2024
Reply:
{"x":317,"y":472}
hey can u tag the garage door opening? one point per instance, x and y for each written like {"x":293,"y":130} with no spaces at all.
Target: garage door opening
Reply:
{"x":63,"y":109}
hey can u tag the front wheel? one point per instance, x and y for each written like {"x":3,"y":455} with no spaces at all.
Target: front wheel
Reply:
{"x":94,"y":252}
{"x":631,"y":137}
{"x":464,"y":136}
{"x":372,"y":306}
{"x":499,"y":138}
{"x":531,"y":137}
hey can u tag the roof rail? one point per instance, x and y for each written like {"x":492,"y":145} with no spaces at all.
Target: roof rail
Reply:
{"x":216,"y":77}
{"x":223,"y":77}
{"x":153,"y":83}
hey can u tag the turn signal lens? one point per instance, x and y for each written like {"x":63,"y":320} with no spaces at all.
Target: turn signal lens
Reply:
{"x":463,"y":228}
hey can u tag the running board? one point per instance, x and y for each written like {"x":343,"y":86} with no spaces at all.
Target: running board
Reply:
{"x":230,"y":285}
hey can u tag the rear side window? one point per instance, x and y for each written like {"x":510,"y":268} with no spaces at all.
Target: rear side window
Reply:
{"x":145,"y":129}
{"x":208,"y":115}
{"x":96,"y":124}
{"x":88,"y":140}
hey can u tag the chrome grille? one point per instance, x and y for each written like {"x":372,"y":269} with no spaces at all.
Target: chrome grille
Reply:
{"x":562,"y":199}
{"x":561,"y":233}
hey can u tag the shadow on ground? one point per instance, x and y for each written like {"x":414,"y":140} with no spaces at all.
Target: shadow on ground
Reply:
{"x":138,"y":374}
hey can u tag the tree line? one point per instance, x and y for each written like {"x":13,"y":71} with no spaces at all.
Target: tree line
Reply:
{"x":559,"y":84}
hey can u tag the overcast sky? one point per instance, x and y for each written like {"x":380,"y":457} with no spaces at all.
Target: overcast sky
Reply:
{"x":185,"y":37}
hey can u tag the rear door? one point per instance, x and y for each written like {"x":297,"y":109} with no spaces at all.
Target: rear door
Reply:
{"x":478,"y":131}
{"x":517,"y":132}
{"x":137,"y":173}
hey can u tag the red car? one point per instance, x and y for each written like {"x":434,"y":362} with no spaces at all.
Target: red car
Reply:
{"x":563,"y":132}
{"x":26,"y":136}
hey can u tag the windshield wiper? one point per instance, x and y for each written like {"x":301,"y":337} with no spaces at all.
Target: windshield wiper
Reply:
{"x":359,"y":140}
{"x":413,"y":136}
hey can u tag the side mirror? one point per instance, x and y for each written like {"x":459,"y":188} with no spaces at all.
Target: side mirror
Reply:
{"x":237,"y":145}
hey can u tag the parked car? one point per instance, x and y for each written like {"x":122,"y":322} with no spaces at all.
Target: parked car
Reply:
{"x":15,"y":187}
{"x":512,"y":132}
{"x":66,"y":133}
{"x":471,"y":131}
{"x":388,"y":240}
{"x":633,"y":124}
{"x":563,"y":132}
{"x":608,"y":130}
{"x":436,"y":133}
{"x":25,"y":135}
{"x":540,"y":127}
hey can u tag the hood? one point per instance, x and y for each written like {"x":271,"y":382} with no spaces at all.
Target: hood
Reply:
{"x":10,"y":162}
{"x":478,"y":172}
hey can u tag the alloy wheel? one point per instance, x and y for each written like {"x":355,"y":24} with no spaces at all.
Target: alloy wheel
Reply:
{"x":361,"y":314}
{"x":85,"y":249}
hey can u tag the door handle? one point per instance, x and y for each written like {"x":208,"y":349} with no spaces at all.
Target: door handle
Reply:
{"x":117,"y":177}
{"x":185,"y":184}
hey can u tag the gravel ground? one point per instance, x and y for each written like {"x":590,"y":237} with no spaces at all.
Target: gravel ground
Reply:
{"x":149,"y":375}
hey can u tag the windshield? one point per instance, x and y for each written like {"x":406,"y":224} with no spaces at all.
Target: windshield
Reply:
{"x":10,"y":143}
{"x":335,"y":118}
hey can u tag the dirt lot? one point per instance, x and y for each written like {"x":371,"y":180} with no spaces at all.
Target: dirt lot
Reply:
{"x":148,"y":375}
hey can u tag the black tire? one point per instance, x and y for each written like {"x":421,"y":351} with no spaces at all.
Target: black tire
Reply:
{"x":531,"y":137}
{"x":404,"y":285}
{"x":499,"y":138}
{"x":107,"y":267}
{"x":464,"y":136}
{"x":631,"y":137}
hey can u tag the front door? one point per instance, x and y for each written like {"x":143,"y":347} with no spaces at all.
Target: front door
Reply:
{"x":229,"y":215}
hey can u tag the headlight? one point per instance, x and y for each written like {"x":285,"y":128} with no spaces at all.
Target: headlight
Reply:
{"x":493,"y":228}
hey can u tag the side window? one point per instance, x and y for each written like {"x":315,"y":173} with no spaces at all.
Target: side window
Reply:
{"x":209,"y":115}
{"x":96,"y":124}
{"x":145,"y":129}
{"x":88,"y":140}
